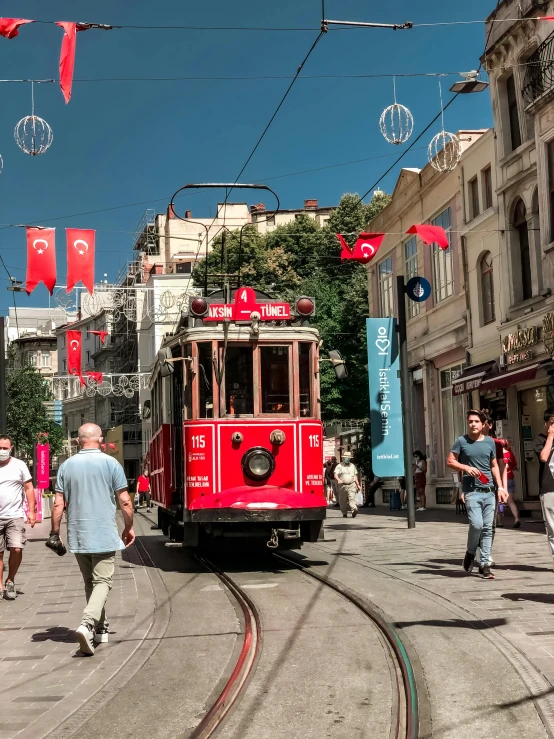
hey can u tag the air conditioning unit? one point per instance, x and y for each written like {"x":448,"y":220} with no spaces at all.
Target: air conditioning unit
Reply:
{"x":503,"y":361}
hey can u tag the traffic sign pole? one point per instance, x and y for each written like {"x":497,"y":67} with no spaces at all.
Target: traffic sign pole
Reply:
{"x":406,"y":400}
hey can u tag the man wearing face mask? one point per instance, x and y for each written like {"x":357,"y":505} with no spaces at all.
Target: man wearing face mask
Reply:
{"x":346,"y":476}
{"x":15,"y":483}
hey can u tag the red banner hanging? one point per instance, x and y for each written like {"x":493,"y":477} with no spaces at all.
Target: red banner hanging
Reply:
{"x":43,"y":466}
{"x":80,"y":257}
{"x":430,"y":234}
{"x":41,"y":258}
{"x":9,"y":26}
{"x":365,"y":248}
{"x":74,"y":340}
{"x":67,"y":57}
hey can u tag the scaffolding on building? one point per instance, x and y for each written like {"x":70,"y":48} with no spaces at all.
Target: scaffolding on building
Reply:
{"x":145,"y":238}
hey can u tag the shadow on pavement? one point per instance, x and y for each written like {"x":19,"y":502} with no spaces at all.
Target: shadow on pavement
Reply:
{"x":442,"y":573}
{"x":55,"y":633}
{"x":519,"y":568}
{"x":534,"y":597}
{"x":456,"y":623}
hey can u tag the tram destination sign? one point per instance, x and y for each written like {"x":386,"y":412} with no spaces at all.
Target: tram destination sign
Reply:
{"x":245,"y":304}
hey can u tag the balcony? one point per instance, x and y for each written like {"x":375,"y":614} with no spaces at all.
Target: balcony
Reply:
{"x":539,"y":77}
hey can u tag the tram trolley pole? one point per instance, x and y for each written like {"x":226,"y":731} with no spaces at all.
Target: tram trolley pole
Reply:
{"x":406,"y":400}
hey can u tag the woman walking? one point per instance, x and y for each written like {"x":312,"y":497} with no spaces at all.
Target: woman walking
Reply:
{"x":511,"y":465}
{"x":420,"y":477}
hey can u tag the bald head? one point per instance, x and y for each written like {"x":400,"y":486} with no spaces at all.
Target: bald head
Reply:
{"x":90,"y":436}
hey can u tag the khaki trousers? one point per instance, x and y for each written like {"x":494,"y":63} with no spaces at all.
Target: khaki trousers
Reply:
{"x":547,"y":503}
{"x":347,"y":497}
{"x":97,"y":571}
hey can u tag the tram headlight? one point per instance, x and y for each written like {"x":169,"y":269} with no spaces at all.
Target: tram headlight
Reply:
{"x":258,"y":463}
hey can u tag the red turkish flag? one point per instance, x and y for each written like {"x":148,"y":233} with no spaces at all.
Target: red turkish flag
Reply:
{"x":101,"y":334}
{"x":430,"y":234}
{"x":41,"y":258}
{"x":365,"y":248}
{"x":67,"y":57}
{"x":97,"y":376}
{"x":9,"y":26}
{"x":80,"y":258}
{"x":74,"y":340}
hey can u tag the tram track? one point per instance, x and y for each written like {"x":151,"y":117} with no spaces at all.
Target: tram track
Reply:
{"x":404,"y":724}
{"x":246,"y":662}
{"x":406,"y":703}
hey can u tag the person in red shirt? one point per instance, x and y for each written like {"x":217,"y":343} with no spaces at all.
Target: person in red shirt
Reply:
{"x":143,"y":491}
{"x":511,"y":465}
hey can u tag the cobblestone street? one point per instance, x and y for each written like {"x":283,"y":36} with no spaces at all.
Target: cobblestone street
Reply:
{"x":45,"y":679}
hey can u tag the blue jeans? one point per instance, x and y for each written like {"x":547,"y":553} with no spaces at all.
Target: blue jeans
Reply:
{"x":480,"y":511}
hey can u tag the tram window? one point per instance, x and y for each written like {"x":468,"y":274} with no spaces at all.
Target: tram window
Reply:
{"x":275,"y":379}
{"x":304,"y":379}
{"x":206,"y":398}
{"x":187,"y":380}
{"x":239,"y":396}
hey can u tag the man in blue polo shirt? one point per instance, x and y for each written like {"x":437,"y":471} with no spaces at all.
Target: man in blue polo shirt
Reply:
{"x":474,"y":455}
{"x":88,"y":483}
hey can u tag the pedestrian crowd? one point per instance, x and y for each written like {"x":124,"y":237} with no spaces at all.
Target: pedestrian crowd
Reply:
{"x":86,"y":489}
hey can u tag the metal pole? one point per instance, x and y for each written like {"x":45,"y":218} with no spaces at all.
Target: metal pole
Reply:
{"x":3,"y":397}
{"x":406,"y":400}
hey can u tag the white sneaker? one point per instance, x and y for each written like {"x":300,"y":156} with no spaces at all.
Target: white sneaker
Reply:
{"x":421,"y":509}
{"x":85,"y":636}
{"x":101,"y":635}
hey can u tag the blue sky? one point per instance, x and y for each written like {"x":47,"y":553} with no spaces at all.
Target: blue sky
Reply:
{"x":125,"y":142}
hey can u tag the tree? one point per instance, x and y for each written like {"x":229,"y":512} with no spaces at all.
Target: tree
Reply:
{"x":26,"y":414}
{"x":303,"y":258}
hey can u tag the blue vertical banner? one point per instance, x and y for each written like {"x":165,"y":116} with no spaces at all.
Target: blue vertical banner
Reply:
{"x":385,"y":404}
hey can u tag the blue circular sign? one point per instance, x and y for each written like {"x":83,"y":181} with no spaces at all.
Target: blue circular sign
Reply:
{"x":418,"y":289}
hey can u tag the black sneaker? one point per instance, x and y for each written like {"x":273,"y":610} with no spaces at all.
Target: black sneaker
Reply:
{"x":517,"y":524}
{"x":485,"y":572}
{"x":469,"y":561}
{"x":345,"y":515}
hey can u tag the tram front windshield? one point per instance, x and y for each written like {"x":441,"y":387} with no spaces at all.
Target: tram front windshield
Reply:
{"x":239,"y":396}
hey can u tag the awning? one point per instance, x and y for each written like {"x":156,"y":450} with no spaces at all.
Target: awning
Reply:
{"x":507,"y":379}
{"x":472,"y":377}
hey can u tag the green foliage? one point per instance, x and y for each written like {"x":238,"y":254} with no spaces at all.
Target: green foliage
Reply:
{"x":362,"y":455}
{"x":26,"y":415}
{"x":302,"y":258}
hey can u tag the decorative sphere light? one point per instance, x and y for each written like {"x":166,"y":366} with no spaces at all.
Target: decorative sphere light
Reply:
{"x":444,"y":151}
{"x":33,"y":135}
{"x":396,"y":124}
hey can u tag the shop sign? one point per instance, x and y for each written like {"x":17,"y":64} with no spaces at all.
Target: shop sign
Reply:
{"x":522,"y":339}
{"x":387,"y":450}
{"x":520,"y":357}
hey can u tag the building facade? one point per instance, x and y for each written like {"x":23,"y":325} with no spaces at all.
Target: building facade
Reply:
{"x":440,"y":330}
{"x":518,"y":59}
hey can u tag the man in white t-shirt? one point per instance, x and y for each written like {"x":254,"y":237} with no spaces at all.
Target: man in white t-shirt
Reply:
{"x":347,"y":477}
{"x":15,"y":483}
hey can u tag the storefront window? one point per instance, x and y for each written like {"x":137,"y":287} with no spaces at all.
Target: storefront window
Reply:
{"x":452,"y":407}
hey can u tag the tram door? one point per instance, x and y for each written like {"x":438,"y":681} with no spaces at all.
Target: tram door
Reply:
{"x":177,"y":403}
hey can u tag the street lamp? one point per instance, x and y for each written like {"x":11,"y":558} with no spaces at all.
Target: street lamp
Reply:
{"x":470,"y":83}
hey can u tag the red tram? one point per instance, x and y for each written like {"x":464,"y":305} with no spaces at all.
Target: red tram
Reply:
{"x":237,"y":447}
